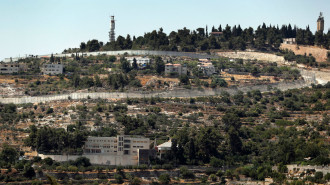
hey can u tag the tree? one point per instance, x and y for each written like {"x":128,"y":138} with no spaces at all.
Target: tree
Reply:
{"x":93,"y":45}
{"x":136,"y":181}
{"x":159,"y":65}
{"x":205,"y":45}
{"x":186,"y":174}
{"x":192,"y":150}
{"x":135,"y":65}
{"x":82,"y":46}
{"x":164,"y":178}
{"x":29,"y":171}
{"x":231,"y":120}
{"x":8,"y":154}
{"x":184,"y":79}
{"x":234,"y":140}
{"x":52,"y":59}
{"x":82,"y":161}
{"x":76,"y":80}
{"x":98,"y":82}
{"x":118,"y":178}
{"x":125,"y":65}
{"x":319,"y":38}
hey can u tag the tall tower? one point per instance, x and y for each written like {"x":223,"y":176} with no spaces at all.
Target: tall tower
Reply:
{"x":320,"y":23}
{"x":112,"y":29}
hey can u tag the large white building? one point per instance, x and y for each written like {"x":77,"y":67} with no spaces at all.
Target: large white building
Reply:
{"x":12,"y":67}
{"x":120,"y":150}
{"x":123,"y":150}
{"x":142,"y":62}
{"x":52,"y":69}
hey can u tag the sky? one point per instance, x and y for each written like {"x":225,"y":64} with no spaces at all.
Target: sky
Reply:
{"x":49,"y":26}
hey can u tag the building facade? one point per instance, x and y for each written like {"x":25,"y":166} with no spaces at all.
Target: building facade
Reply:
{"x":289,"y":41}
{"x":206,"y":66}
{"x":175,"y":68}
{"x":163,"y":148}
{"x":142,"y":62}
{"x":52,"y":69}
{"x":120,"y":150}
{"x":12,"y":67}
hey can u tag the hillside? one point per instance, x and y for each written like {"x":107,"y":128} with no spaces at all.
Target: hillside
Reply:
{"x":320,"y":54}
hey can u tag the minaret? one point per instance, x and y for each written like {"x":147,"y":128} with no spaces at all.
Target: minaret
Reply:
{"x":112,"y":29}
{"x":320,"y":23}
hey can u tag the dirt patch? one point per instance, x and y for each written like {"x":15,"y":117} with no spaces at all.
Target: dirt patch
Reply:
{"x":320,"y":54}
{"x":144,"y":79}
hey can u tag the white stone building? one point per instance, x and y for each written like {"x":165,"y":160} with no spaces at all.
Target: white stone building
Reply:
{"x":52,"y":69}
{"x":206,"y":67}
{"x":289,"y":40}
{"x":163,"y":148}
{"x":175,"y":68}
{"x":142,"y":62}
{"x":12,"y":67}
{"x":120,"y":150}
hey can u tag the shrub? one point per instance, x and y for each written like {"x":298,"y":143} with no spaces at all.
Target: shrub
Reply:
{"x":164,"y":178}
{"x":213,"y":177}
{"x":186,"y":174}
{"x":118,"y":178}
{"x":73,"y":169}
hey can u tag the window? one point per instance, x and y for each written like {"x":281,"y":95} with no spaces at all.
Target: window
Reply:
{"x":126,"y":152}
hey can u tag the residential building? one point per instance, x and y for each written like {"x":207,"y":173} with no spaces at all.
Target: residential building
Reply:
{"x":12,"y":67}
{"x":52,"y":69}
{"x":163,"y":148}
{"x":142,"y":62}
{"x":206,"y":67}
{"x":120,"y":150}
{"x":289,"y":41}
{"x":175,"y":68}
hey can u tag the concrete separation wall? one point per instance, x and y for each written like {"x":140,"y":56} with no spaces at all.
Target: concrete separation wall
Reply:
{"x":182,"y":93}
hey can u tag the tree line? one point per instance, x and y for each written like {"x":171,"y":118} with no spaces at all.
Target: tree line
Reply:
{"x":226,"y":38}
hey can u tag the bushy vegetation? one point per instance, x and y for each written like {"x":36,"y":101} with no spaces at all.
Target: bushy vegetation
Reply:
{"x":231,"y":38}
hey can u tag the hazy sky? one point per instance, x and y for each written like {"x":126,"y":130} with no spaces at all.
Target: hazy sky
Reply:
{"x":50,"y":26}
